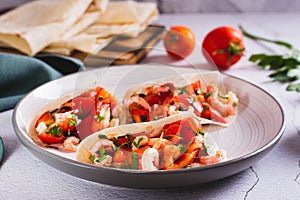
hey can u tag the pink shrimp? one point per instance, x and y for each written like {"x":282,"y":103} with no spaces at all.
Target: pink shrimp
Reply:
{"x":225,"y":104}
{"x":208,"y":160}
{"x":71,"y":143}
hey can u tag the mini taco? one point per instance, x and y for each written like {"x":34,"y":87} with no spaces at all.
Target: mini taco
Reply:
{"x":170,"y":143}
{"x":201,"y":94}
{"x":72,"y":119}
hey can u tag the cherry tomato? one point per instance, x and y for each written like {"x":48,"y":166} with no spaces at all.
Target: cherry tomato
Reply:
{"x":46,"y":118}
{"x":179,"y":42}
{"x":223,"y":46}
{"x":51,"y":139}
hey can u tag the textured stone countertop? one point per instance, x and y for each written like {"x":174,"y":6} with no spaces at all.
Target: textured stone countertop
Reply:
{"x":276,"y":176}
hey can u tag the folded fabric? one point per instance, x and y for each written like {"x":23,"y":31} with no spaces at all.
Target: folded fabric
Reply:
{"x":21,"y":74}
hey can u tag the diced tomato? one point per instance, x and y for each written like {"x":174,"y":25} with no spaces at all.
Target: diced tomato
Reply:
{"x":68,"y":125}
{"x":84,"y":105}
{"x":85,"y":127}
{"x":122,"y":157}
{"x":139,"y":115}
{"x":51,"y":139}
{"x":209,"y":113}
{"x":152,"y":99}
{"x":46,"y":118}
{"x":197,"y":87}
{"x":121,"y":140}
{"x":173,"y":129}
{"x":186,"y":131}
{"x":158,"y":113}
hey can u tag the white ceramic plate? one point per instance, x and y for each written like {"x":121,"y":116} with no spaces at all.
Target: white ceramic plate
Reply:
{"x":258,"y":127}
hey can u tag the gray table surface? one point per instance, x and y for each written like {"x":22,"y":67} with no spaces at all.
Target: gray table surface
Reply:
{"x":276,"y":176}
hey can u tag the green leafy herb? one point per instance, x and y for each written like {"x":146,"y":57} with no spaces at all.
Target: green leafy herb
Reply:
{"x":182,"y":148}
{"x":101,"y":154}
{"x":92,"y":158}
{"x":100,"y":98}
{"x":201,"y":132}
{"x":137,"y":144}
{"x":191,"y":100}
{"x":293,"y":87}
{"x":55,"y":131}
{"x":135,"y":161}
{"x":206,"y":94}
{"x":71,"y":123}
{"x":286,"y":68}
{"x":100,"y":118}
{"x":223,"y":97}
{"x":168,"y":137}
{"x":103,"y":136}
{"x":182,"y":90}
{"x":143,"y":118}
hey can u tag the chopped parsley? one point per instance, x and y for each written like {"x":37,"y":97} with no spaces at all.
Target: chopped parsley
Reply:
{"x":206,"y":94}
{"x":100,"y":98}
{"x":201,"y":132}
{"x":102,"y":136}
{"x":135,"y":161}
{"x":101,"y":154}
{"x":55,"y":131}
{"x":223,"y":97}
{"x":191,"y":100}
{"x":168,"y":137}
{"x":100,"y":118}
{"x":137,"y":144}
{"x":182,"y":148}
{"x":143,"y":118}
{"x":71,"y":123}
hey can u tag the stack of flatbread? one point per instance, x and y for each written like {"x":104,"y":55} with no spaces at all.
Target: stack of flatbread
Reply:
{"x":61,"y":26}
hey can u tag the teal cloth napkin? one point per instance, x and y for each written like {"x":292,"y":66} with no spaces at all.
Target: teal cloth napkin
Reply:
{"x":21,"y":74}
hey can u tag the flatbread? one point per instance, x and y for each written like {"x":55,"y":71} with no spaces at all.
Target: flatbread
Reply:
{"x":34,"y":25}
{"x":129,"y":18}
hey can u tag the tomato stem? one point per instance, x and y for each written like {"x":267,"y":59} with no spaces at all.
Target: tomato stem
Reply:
{"x":233,"y":49}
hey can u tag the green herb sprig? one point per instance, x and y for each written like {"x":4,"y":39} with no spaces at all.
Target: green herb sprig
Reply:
{"x":286,"y":68}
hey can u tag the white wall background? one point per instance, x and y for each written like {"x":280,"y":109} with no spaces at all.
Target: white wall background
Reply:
{"x":188,"y":6}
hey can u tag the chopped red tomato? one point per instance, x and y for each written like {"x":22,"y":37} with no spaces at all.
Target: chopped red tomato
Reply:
{"x":48,"y":138}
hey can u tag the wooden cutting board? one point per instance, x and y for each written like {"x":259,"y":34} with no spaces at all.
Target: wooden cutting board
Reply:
{"x":124,"y":49}
{"x":121,"y":50}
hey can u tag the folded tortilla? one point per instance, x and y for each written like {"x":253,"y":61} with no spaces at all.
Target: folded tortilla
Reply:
{"x":206,"y":78}
{"x":34,"y":25}
{"x":127,"y":17}
{"x":83,"y":150}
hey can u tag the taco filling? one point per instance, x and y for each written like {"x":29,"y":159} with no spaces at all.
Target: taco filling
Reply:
{"x":176,"y":145}
{"x":72,"y":121}
{"x":159,"y":101}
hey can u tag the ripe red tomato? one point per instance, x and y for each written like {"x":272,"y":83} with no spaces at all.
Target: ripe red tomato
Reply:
{"x":51,"y":139}
{"x":179,"y":42}
{"x":223,"y":46}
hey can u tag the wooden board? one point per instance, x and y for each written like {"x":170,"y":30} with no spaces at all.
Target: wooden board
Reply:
{"x":124,"y":49}
{"x":121,"y":50}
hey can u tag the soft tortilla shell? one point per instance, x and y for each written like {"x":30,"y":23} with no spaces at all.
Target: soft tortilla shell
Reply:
{"x":82,"y":153}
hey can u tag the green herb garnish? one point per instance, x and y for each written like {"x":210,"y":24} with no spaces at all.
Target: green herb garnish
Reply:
{"x":134,"y":161}
{"x":201,"y":132}
{"x":286,"y":68}
{"x":143,"y":118}
{"x":55,"y":131}
{"x":182,"y":148}
{"x":100,"y":118}
{"x":168,"y":137}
